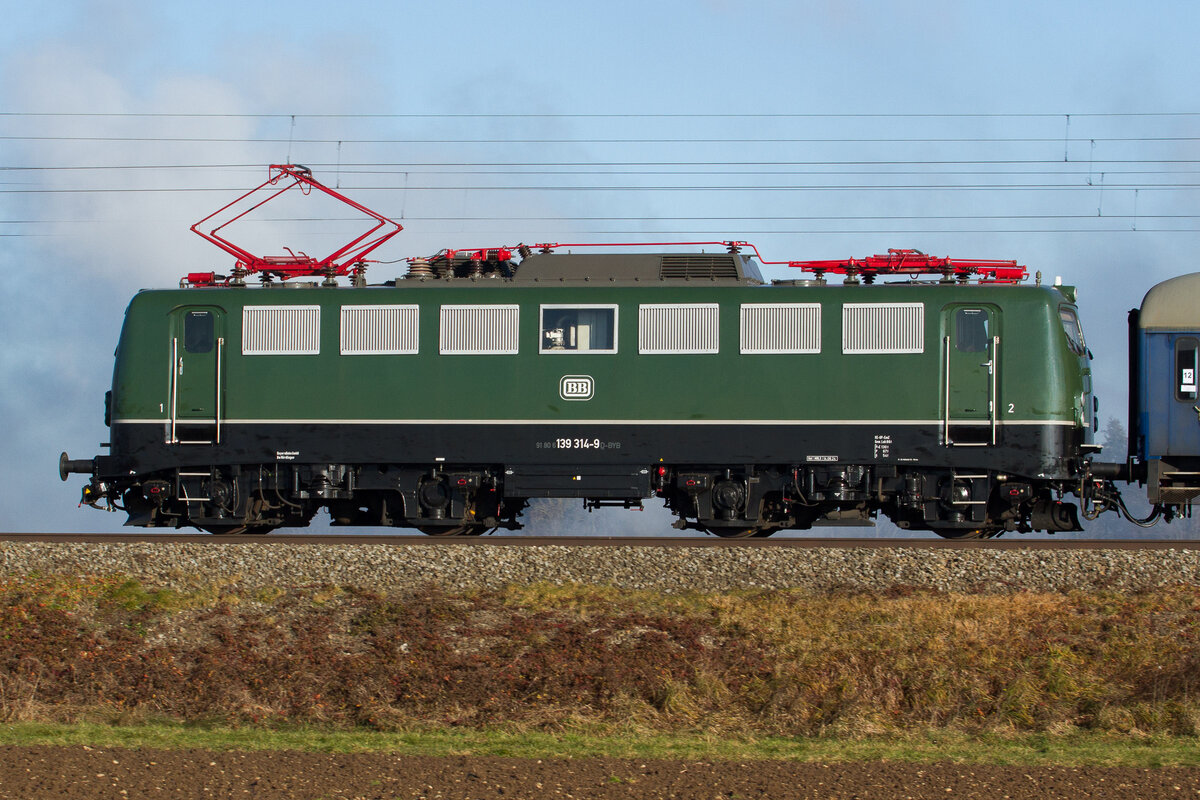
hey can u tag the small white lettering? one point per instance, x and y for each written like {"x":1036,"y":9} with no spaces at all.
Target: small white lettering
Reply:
{"x":883,"y":446}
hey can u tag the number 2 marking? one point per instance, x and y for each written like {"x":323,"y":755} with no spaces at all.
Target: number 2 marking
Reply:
{"x":1011,"y":407}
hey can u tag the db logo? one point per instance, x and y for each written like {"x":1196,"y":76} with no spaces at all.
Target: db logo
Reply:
{"x":576,"y":387}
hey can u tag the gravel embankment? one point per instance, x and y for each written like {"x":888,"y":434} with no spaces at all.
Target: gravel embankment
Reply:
{"x":669,"y":569}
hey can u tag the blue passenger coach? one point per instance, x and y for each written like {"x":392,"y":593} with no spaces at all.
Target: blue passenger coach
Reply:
{"x":1164,"y":405}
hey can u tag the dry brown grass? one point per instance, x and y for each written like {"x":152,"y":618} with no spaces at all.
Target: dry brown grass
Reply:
{"x":561,"y":658}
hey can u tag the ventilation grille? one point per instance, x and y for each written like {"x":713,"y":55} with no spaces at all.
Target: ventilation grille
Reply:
{"x":478,"y":330}
{"x":781,"y":328}
{"x":697,"y":266}
{"x":379,"y":330}
{"x":690,"y":328}
{"x":281,"y":330}
{"x":883,"y":328}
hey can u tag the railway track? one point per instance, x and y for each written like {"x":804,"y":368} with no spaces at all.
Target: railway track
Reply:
{"x":610,"y":541}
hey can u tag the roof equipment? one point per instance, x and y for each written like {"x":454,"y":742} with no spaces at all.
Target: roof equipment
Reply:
{"x":349,"y":259}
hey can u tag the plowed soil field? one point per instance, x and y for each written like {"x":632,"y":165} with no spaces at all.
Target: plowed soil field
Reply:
{"x":31,"y":773}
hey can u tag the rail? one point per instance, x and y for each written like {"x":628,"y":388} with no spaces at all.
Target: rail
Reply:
{"x":780,"y":542}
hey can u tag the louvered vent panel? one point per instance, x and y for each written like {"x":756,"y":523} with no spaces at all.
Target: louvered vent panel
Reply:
{"x":683,"y":328}
{"x":781,"y":328}
{"x":883,"y":328}
{"x":697,"y":266}
{"x":379,"y":330}
{"x":281,"y":330}
{"x":478,"y":330}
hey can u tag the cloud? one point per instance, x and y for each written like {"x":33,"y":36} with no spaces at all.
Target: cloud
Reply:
{"x":74,"y":269}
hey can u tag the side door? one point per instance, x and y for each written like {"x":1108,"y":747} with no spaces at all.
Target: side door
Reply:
{"x":197,"y":352}
{"x":1183,"y":414}
{"x":970,"y":365}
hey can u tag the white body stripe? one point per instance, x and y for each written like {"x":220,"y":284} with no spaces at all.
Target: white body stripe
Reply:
{"x":731,"y":422}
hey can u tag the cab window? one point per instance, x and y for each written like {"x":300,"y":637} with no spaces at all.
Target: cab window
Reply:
{"x":578,"y":329}
{"x":1070,"y":323}
{"x":198,"y":332}
{"x":971,"y":330}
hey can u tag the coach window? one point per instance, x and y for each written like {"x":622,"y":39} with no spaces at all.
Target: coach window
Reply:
{"x":198,"y":332}
{"x":1185,"y":368}
{"x":578,"y":329}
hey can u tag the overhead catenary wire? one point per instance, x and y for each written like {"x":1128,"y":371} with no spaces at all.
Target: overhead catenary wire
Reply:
{"x":377,"y":168}
{"x":995,"y":187}
{"x":1145,"y":158}
{"x":1052,"y":115}
{"x":602,"y":140}
{"x":731,"y":172}
{"x":756,"y":218}
{"x":734,"y":232}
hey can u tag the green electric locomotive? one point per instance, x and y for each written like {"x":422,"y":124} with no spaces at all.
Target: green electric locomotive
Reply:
{"x":443,"y":403}
{"x":945,"y":395}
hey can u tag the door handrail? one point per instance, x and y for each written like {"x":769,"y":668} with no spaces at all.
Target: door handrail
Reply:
{"x":220,"y":349}
{"x":994,"y":369}
{"x":174,"y":388}
{"x":946,"y":386}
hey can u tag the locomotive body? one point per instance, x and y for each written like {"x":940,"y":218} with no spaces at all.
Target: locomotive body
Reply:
{"x":444,"y":401}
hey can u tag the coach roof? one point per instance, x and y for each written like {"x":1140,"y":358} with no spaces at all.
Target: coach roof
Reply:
{"x":1172,"y":305}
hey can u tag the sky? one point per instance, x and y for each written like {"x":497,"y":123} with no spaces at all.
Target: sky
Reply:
{"x":1060,"y":134}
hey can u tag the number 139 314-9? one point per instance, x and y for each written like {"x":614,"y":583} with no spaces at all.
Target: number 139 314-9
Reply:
{"x":577,"y":444}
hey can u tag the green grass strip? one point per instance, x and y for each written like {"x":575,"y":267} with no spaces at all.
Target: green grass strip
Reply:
{"x":1076,"y":749}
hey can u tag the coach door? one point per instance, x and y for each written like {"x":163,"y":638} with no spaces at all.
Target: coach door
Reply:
{"x":197,"y":349}
{"x":970,"y":364}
